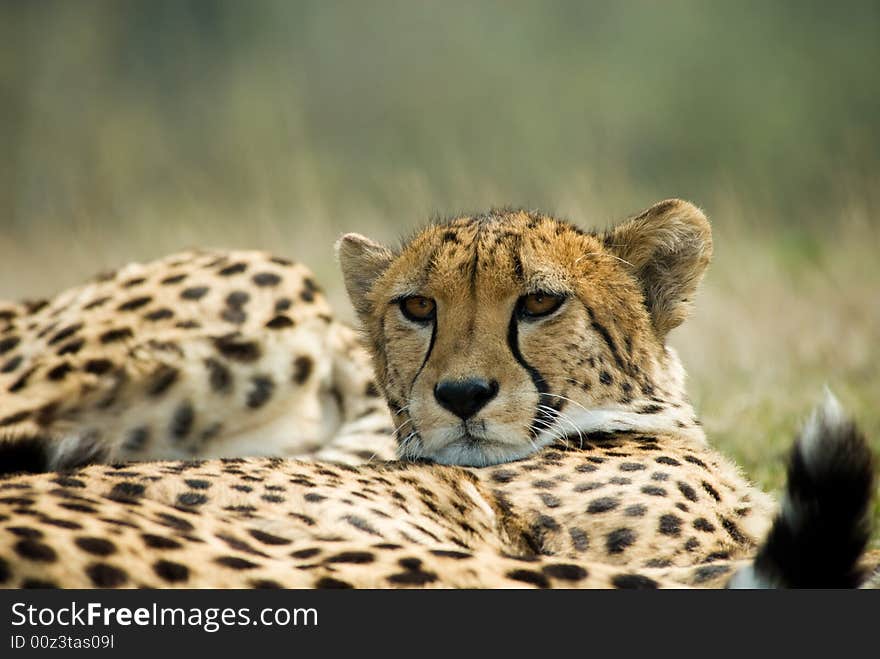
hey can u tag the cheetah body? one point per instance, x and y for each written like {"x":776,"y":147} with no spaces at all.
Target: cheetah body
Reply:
{"x":609,"y":484}
{"x":199,"y":354}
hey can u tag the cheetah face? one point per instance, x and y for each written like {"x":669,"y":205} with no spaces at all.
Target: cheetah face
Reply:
{"x":495,"y":335}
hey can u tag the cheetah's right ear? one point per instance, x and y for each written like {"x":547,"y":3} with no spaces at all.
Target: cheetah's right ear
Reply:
{"x":668,"y":246}
{"x":362,"y":262}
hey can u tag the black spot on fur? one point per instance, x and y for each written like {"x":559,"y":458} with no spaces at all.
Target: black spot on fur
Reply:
{"x":529,"y":577}
{"x":266,"y":279}
{"x":194,"y":293}
{"x":234,"y":316}
{"x":451,"y":553}
{"x":733,"y":531}
{"x":618,"y":540}
{"x":8,"y":344}
{"x":503,"y":475}
{"x":115,"y":335}
{"x":234,"y":269}
{"x":603,"y":504}
{"x":711,"y":490}
{"x":265,"y":584}
{"x":170,"y":571}
{"x":330,"y":582}
{"x":694,"y":460}
{"x":35,"y":551}
{"x":160,"y":542}
{"x":174,"y":522}
{"x":261,"y":390}
{"x":670,"y":525}
{"x":302,"y":368}
{"x":63,"y":334}
{"x":654,"y":491}
{"x":687,"y":491}
{"x":98,"y":366}
{"x":235,"y":562}
{"x":68,"y":481}
{"x":636,"y":581}
{"x":237,"y":299}
{"x":96,"y":546}
{"x":279,"y":322}
{"x":651,"y":409}
{"x":182,"y":420}
{"x":126,"y":492}
{"x":59,"y":372}
{"x":36,"y":583}
{"x":236,"y":349}
{"x":565,"y":572}
{"x":135,"y":303}
{"x":97,"y":302}
{"x":11,"y":364}
{"x":305,"y":553}
{"x":73,"y":347}
{"x":104,"y":575}
{"x":24,"y":532}
{"x":161,"y":380}
{"x":351,"y":557}
{"x":361,"y":524}
{"x":159,"y":314}
{"x":191,"y":499}
{"x":707,"y":572}
{"x":268,"y":538}
{"x":219,"y":376}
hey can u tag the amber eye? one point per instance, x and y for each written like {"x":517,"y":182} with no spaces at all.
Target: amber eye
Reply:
{"x":418,"y":308}
{"x":538,"y":304}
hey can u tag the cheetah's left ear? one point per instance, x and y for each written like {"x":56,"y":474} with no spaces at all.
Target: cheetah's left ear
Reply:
{"x":669,"y":246}
{"x":362,"y":262}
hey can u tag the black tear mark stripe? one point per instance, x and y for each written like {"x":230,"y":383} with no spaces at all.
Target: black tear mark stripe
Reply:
{"x":427,"y":354}
{"x":544,"y":401}
{"x":624,"y":366}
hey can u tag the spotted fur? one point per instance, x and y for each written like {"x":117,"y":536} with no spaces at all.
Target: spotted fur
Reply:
{"x":199,"y":354}
{"x":615,"y":487}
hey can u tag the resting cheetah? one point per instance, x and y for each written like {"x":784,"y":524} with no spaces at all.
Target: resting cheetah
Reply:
{"x":200,"y":354}
{"x":545,"y":434}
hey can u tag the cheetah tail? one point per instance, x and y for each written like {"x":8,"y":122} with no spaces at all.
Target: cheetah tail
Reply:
{"x":824,"y":524}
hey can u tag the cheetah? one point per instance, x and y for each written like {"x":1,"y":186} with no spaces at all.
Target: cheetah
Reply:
{"x":201,"y":354}
{"x":543,"y":433}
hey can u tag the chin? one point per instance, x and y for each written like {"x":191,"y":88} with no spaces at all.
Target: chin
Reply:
{"x":482,"y":452}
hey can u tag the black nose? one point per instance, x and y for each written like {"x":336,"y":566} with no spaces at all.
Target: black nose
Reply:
{"x":464,"y":398}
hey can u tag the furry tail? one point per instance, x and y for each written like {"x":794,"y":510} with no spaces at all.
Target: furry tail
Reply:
{"x":823,"y":525}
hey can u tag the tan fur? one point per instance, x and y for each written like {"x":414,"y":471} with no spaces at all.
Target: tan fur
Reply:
{"x":627,"y":492}
{"x":603,"y":350}
{"x":200,"y":354}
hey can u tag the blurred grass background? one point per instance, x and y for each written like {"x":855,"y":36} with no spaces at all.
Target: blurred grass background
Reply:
{"x":130,"y":129}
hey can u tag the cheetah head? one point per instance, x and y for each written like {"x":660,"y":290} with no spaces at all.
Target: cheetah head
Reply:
{"x":498,"y":334}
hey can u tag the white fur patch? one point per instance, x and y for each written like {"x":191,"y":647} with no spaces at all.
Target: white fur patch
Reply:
{"x":611,"y":420}
{"x":817,"y":437}
{"x":748,"y":579}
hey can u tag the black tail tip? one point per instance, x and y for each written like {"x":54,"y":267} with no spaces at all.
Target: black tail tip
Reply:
{"x":23,"y":455}
{"x":824,"y":522}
